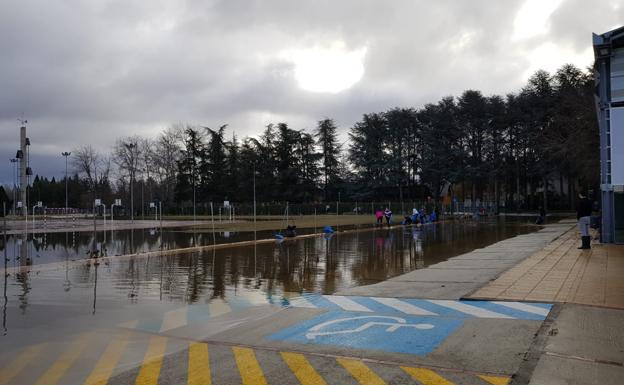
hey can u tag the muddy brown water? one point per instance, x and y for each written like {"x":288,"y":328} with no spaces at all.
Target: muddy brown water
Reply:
{"x":323,"y":264}
{"x":63,"y":291}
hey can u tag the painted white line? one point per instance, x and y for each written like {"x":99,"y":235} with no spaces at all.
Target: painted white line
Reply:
{"x":469,"y":309}
{"x":256,"y":299}
{"x":524,"y":307}
{"x":174,"y":319}
{"x":403,"y":306}
{"x":346,"y":303}
{"x":301,"y":302}
{"x":217,"y":306}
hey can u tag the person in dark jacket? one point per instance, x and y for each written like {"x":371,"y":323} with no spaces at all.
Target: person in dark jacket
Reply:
{"x":583,"y":215}
{"x":388,"y":215}
{"x":541,"y":218}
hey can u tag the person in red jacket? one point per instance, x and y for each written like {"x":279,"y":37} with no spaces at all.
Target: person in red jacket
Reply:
{"x":379,"y":216}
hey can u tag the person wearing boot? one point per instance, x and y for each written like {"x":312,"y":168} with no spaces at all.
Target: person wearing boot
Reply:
{"x":583,"y":215}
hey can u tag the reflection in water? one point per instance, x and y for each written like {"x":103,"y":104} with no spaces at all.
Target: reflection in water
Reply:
{"x":323,"y":264}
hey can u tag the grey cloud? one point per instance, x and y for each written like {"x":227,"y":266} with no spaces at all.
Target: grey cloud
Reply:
{"x":87,"y":72}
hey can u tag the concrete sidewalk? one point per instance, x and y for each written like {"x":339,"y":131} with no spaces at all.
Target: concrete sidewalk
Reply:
{"x":459,"y":276}
{"x":562,"y":273}
{"x":582,"y":342}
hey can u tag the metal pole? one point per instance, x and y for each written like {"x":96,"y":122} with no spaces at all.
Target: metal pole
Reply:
{"x":66,"y":190}
{"x":131,"y":147}
{"x":14,"y":162}
{"x":94,"y":230}
{"x":337,"y":210}
{"x":131,"y":198}
{"x":112,"y":227}
{"x":104,"y":227}
{"x":254,"y":202}
{"x":214,"y":239}
{"x":6,"y":275}
{"x":66,"y":155}
{"x":194,"y":211}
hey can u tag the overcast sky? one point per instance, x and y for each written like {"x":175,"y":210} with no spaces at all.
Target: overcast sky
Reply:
{"x":89,"y":71}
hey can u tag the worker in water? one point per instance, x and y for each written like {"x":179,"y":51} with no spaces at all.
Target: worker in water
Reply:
{"x":388,"y":215}
{"x":379,"y":217}
{"x":415,"y":215}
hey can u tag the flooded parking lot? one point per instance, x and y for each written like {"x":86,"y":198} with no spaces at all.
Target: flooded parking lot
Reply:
{"x":64,"y":286}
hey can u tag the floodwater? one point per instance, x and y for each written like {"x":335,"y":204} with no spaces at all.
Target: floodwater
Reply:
{"x":63,"y":289}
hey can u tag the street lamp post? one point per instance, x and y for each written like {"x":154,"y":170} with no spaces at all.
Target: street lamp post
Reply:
{"x":131,"y":147}
{"x":66,"y":154}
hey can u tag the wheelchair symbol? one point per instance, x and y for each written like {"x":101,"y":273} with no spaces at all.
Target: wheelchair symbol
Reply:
{"x":397,"y":323}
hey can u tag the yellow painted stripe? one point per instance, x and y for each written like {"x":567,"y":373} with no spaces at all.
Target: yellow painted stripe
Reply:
{"x":150,"y":370}
{"x":15,"y":367}
{"x":248,"y":366}
{"x":108,"y":361}
{"x":426,"y":376}
{"x":495,"y":380}
{"x":65,"y":360}
{"x":217,"y":306}
{"x":198,"y":364}
{"x":302,"y":369}
{"x":174,"y":319}
{"x":361,"y":372}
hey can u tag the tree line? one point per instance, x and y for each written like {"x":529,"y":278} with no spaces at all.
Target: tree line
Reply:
{"x":535,"y":147}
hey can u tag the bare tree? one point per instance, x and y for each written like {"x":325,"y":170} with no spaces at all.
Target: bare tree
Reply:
{"x":85,"y":163}
{"x":94,"y":169}
{"x":166,"y":152}
{"x":126,"y":156}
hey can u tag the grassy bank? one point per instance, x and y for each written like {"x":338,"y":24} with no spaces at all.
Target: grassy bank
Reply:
{"x":275,"y":222}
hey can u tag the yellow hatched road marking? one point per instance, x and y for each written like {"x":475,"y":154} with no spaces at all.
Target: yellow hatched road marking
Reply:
{"x":65,"y":360}
{"x":150,"y":370}
{"x":361,"y":372}
{"x":107,"y":363}
{"x":248,"y":366}
{"x":14,"y":368}
{"x":302,"y":369}
{"x":198,"y":364}
{"x":495,"y":380}
{"x":426,"y":376}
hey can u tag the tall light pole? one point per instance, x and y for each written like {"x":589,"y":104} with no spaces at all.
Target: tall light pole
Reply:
{"x":66,"y":154}
{"x":131,"y":147}
{"x":14,"y":161}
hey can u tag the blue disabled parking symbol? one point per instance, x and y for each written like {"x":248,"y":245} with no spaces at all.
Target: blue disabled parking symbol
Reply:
{"x":391,"y":333}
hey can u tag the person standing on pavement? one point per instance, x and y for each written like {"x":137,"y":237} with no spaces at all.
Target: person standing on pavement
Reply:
{"x":583,"y":215}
